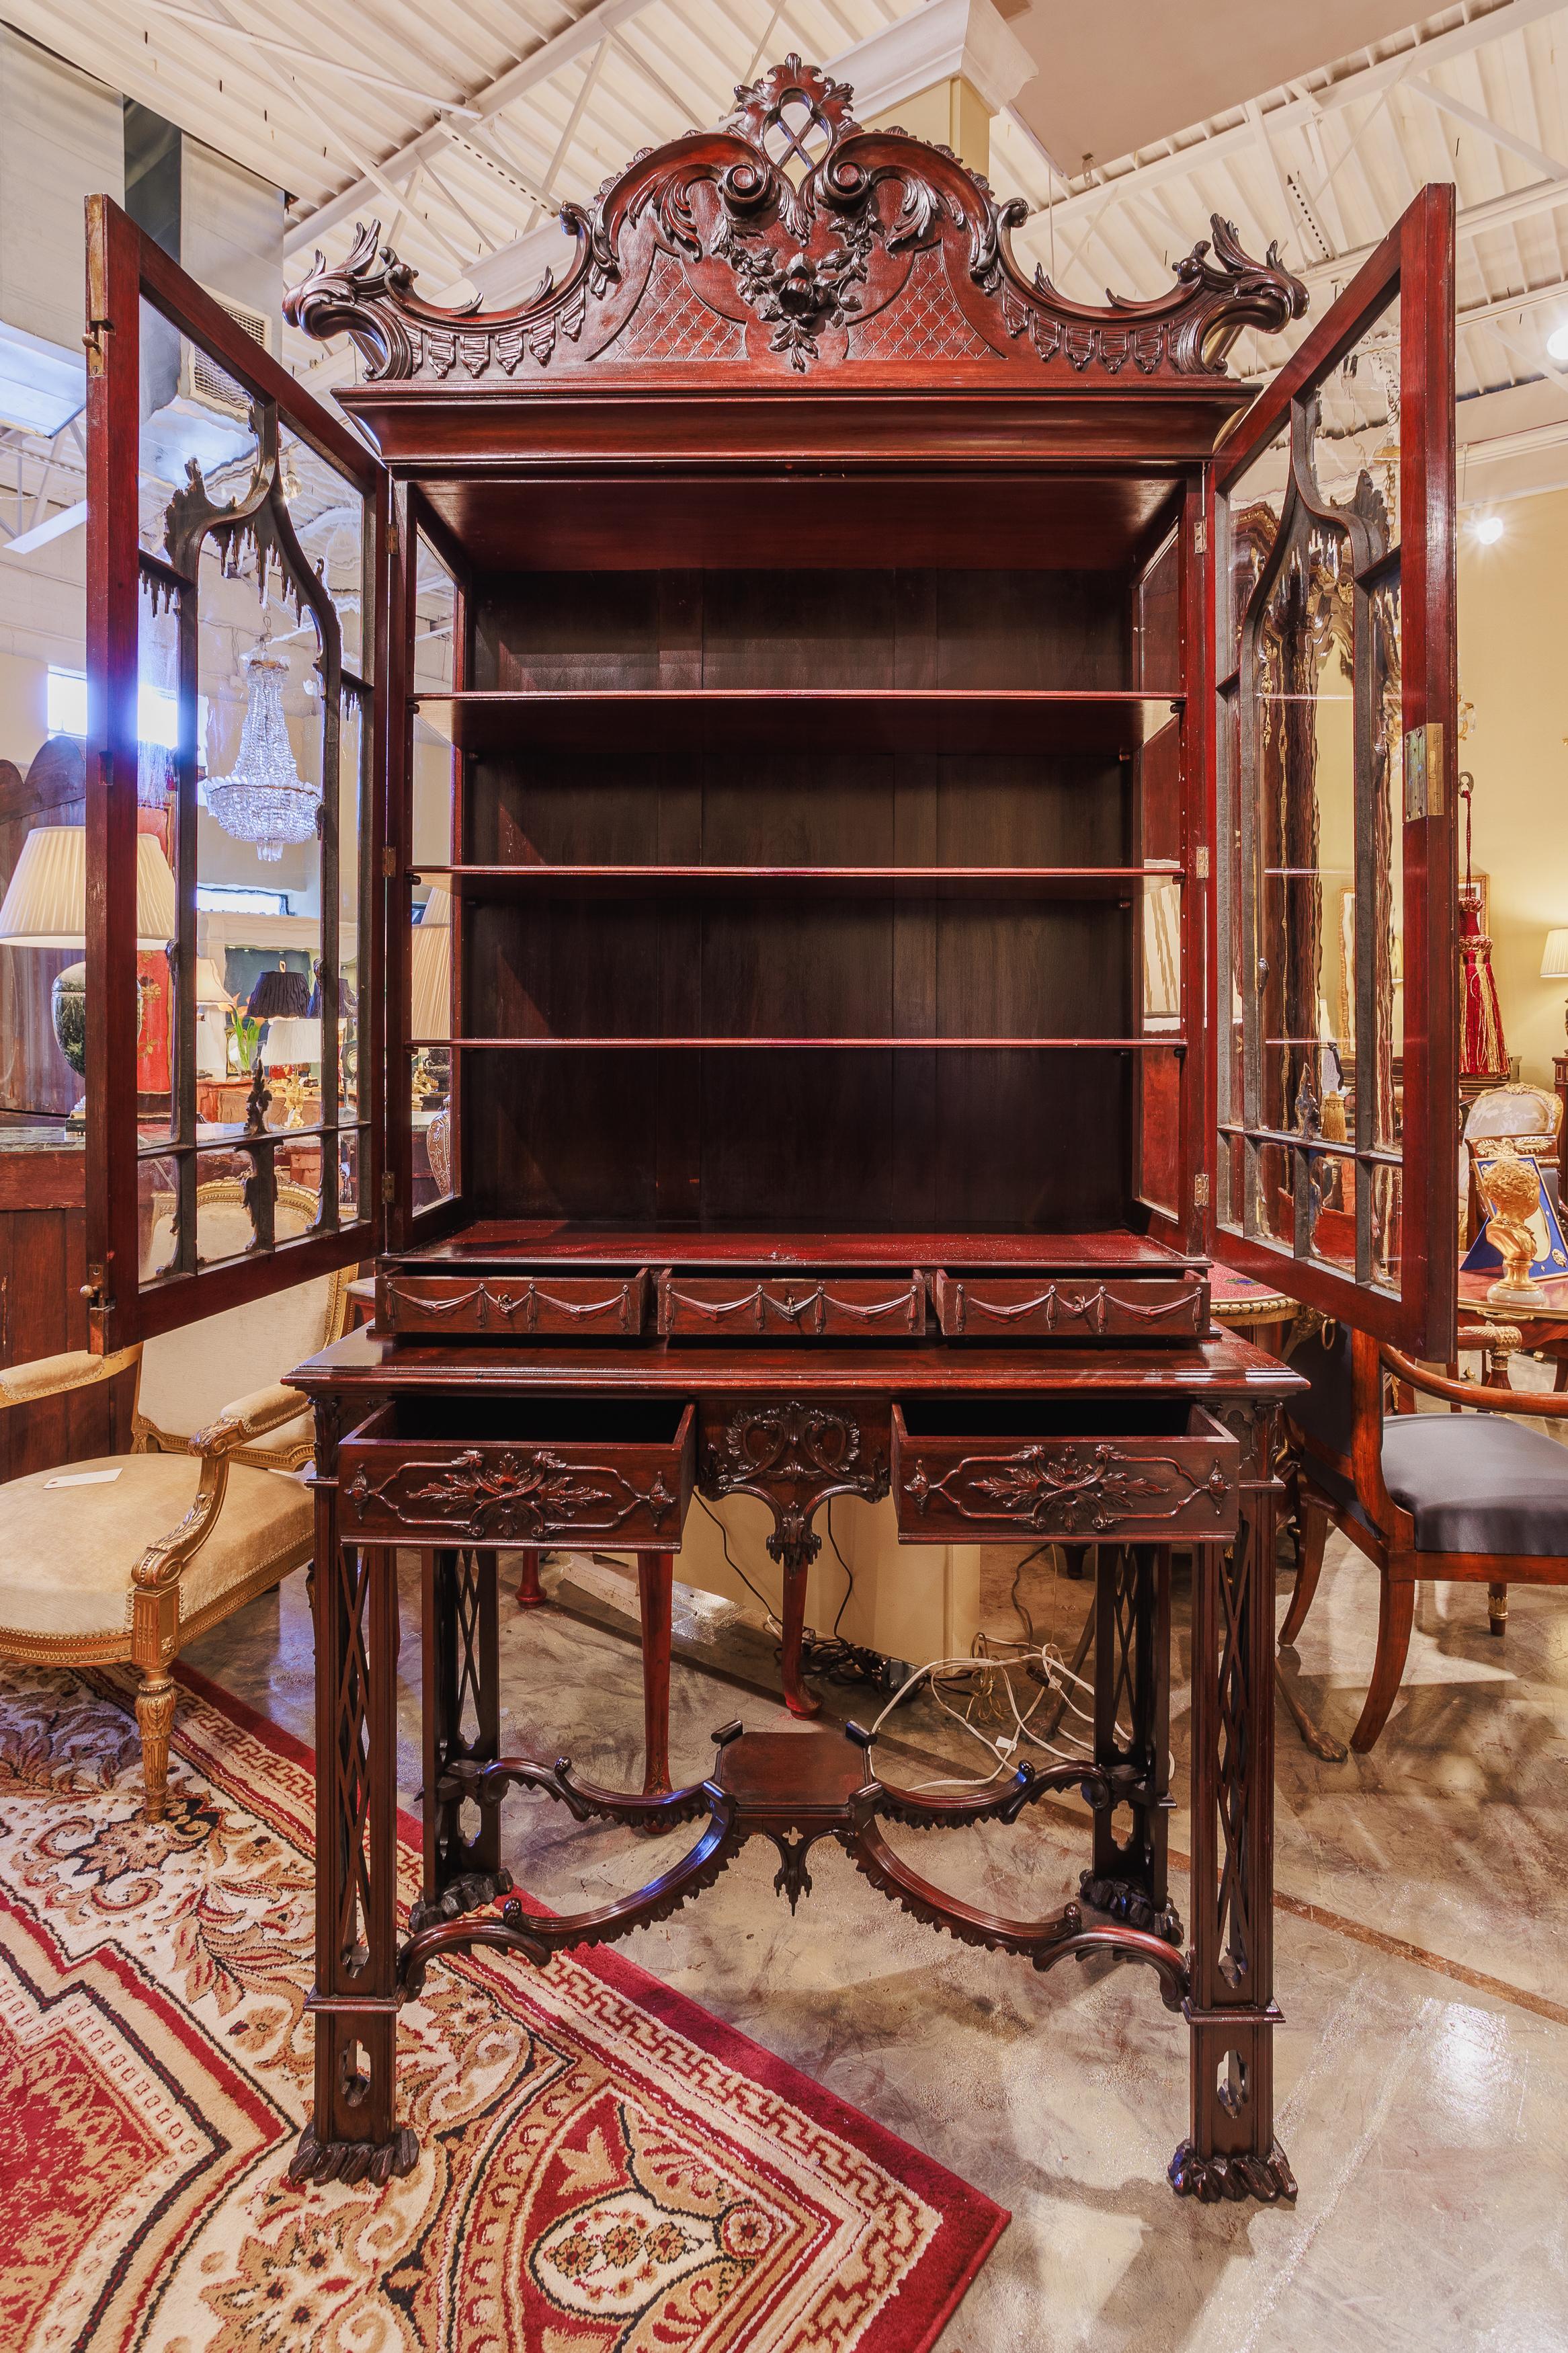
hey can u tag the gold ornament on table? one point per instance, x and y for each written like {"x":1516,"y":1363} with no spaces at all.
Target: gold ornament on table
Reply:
{"x":1510,"y":1188}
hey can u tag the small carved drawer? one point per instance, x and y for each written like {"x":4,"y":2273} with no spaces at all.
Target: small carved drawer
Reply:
{"x":519,"y":1471}
{"x":1129,"y":1470}
{"x":779,"y":1306}
{"x":435,"y":1306}
{"x":1072,"y":1307}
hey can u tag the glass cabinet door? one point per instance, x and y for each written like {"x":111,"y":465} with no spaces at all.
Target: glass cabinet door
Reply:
{"x":232,"y":1038}
{"x":1333,"y":1006}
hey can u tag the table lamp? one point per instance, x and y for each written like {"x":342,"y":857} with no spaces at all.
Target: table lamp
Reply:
{"x":45,"y":907}
{"x":293,"y":1043}
{"x":1554,"y":959}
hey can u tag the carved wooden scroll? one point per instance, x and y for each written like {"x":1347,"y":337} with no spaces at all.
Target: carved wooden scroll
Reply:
{"x":789,"y":241}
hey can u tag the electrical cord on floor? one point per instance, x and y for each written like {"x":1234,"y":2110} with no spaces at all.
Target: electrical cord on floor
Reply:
{"x":834,"y":1659}
{"x":735,"y":1565}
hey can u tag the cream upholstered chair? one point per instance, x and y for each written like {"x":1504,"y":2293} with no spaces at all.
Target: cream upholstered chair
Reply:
{"x":156,"y":1546}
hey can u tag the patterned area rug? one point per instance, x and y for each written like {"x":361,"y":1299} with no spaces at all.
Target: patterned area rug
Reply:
{"x":604,"y":2167}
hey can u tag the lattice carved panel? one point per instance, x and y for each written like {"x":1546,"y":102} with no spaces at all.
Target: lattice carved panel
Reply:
{"x":921,"y":323}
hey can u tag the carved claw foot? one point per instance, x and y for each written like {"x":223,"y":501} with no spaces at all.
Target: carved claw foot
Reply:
{"x":1124,"y":1900}
{"x":1210,"y":2179}
{"x":471,"y":1893}
{"x":353,"y":2160}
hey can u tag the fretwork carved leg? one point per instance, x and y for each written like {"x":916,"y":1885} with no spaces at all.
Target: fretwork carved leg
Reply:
{"x":462,"y":1721}
{"x":155,"y":1721}
{"x":1131,"y":1734}
{"x":353,"y":2130}
{"x":1231,"y":2152}
{"x":795,"y":1556}
{"x":530,"y":1594}
{"x":656,"y":1574}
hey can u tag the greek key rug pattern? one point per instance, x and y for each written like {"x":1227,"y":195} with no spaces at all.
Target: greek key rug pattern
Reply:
{"x":604,"y":2166}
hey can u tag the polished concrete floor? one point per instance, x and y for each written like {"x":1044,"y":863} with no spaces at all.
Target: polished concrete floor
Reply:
{"x":1422,"y":2070}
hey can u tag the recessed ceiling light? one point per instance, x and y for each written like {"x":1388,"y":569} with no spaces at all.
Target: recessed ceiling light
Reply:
{"x":1488,"y":529}
{"x":1557,"y":344}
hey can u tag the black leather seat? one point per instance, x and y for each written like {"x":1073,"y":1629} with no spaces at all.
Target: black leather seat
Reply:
{"x":1475,"y":1483}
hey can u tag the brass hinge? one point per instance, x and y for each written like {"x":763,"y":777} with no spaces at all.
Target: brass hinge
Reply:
{"x":1201,"y":1191}
{"x":388,"y":1187}
{"x":388,"y":861}
{"x":1201,"y":536}
{"x":1201,"y":862}
{"x":393,"y":542}
{"x":1424,"y":771}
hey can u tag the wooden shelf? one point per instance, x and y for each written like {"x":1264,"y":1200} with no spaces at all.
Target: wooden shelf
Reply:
{"x":535,"y":882}
{"x":831,"y":1045}
{"x":756,"y":719}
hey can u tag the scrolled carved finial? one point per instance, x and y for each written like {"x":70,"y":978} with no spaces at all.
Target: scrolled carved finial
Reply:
{"x":370,"y":298}
{"x":1246,"y":293}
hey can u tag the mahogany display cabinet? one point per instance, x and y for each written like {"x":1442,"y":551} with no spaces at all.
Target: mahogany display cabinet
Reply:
{"x":871,"y":817}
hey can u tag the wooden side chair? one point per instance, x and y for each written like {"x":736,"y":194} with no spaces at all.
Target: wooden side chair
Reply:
{"x":1467,"y":1496}
{"x":131,"y":1557}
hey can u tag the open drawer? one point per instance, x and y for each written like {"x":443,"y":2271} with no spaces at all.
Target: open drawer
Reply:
{"x":983,"y":1306}
{"x":972,"y":1470}
{"x":802,"y":1307}
{"x":459,"y":1306}
{"x":519,"y":1471}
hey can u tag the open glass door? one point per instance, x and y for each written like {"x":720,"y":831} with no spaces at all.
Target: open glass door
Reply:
{"x":234,"y":889}
{"x":1333,"y":1001}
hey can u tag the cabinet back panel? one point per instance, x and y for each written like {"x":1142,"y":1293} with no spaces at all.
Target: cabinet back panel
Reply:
{"x":799,"y":967}
{"x":572,"y":631}
{"x":841,"y":1136}
{"x":837,"y":1138}
{"x":790,"y":807}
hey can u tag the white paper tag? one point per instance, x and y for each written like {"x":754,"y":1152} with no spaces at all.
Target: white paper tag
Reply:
{"x":84,"y":1479}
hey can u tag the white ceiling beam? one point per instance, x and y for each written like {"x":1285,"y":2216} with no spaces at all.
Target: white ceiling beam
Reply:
{"x":1548,"y":166}
{"x":1264,"y":147}
{"x":546,"y":61}
{"x":292,"y":90}
{"x":317,"y":58}
{"x":1178,"y":163}
{"x":1493,"y":212}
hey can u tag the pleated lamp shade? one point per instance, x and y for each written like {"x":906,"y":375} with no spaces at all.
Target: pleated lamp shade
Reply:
{"x":430,"y":992}
{"x":279,"y":995}
{"x":1554,"y":957}
{"x":46,"y":906}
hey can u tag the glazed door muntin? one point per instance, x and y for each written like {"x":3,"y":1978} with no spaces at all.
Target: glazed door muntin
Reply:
{"x":143,"y":1279}
{"x":1335,"y":964}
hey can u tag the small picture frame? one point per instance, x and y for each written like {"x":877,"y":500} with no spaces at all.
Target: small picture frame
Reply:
{"x":1551,"y":1255}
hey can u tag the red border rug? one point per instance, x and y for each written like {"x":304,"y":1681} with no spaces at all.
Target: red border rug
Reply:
{"x":604,"y":2166}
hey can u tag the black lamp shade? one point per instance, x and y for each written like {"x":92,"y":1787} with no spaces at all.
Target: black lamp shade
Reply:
{"x":279,"y":997}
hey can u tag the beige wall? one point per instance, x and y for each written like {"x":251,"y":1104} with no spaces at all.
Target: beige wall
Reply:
{"x":1513,"y":665}
{"x":951,"y":113}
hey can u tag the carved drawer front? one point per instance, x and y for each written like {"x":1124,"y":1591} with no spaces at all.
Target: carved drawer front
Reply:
{"x":1131,"y":1470}
{"x":1071,"y":1307}
{"x":437,"y":1305}
{"x":519,"y":1471}
{"x":864,"y":1307}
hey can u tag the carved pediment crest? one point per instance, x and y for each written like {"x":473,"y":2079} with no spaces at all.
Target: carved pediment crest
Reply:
{"x":773,"y":241}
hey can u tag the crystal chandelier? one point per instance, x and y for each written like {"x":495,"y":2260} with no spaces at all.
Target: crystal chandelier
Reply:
{"x":264,"y":800}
